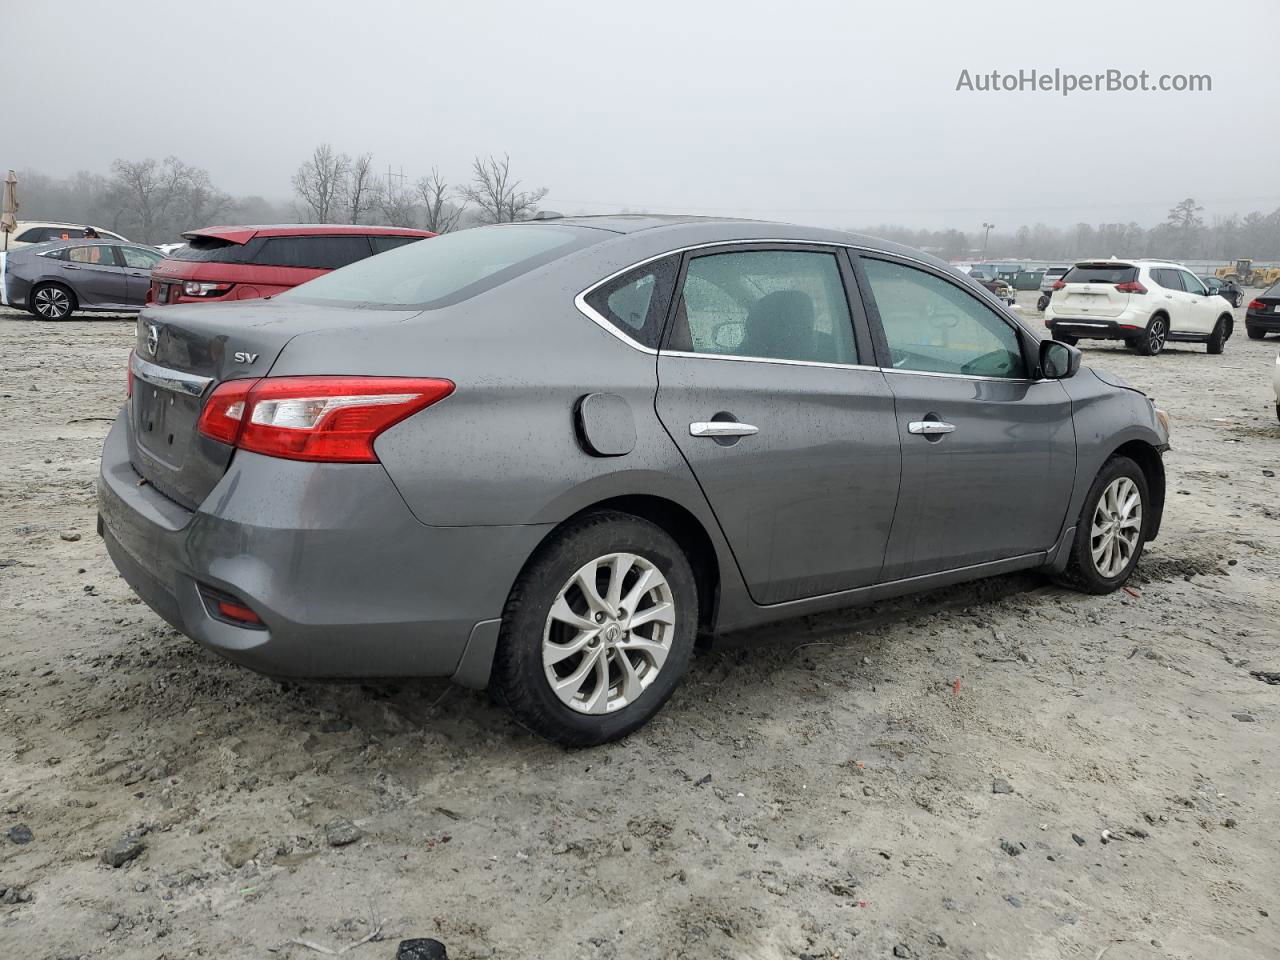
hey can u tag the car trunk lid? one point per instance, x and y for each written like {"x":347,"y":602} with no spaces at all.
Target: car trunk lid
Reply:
{"x":183,"y":353}
{"x":1091,"y":289}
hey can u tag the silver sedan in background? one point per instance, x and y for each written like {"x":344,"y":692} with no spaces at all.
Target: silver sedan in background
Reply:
{"x":54,"y":280}
{"x":543,"y":457}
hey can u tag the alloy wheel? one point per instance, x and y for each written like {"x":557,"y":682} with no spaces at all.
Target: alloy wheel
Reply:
{"x":52,"y":303}
{"x":1117,"y":527}
{"x":1156,"y":335}
{"x":608,"y":634}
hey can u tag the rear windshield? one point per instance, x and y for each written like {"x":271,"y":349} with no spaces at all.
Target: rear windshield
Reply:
{"x":210,"y":250}
{"x":447,"y":269}
{"x":1055,"y":271}
{"x":1101,"y":273}
{"x":1273,"y":292}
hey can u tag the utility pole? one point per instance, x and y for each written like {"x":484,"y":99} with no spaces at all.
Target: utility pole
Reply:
{"x":987,"y":228}
{"x":399,"y":176}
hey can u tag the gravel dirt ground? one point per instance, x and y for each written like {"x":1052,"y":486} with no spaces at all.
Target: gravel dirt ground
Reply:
{"x":932,"y":777}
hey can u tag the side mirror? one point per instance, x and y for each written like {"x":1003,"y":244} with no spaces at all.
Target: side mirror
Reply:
{"x":1058,"y":361}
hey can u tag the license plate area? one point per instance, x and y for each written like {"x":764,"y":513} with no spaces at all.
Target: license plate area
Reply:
{"x":164,"y":421}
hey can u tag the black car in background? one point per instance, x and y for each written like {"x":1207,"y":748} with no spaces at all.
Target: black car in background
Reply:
{"x":53,"y":280}
{"x":1226,"y":289}
{"x":1263,"y":314}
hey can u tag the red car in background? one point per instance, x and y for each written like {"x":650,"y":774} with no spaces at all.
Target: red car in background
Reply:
{"x":244,"y":263}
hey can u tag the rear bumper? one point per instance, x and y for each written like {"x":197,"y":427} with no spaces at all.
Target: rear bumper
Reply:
{"x":1094,"y":329}
{"x":1270,"y":322}
{"x":347,"y":582}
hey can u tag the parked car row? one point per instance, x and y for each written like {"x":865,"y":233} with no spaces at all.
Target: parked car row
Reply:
{"x":55,"y":278}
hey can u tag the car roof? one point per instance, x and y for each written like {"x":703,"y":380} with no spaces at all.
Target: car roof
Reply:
{"x":24,"y":224}
{"x":46,"y":245}
{"x":243,"y":234}
{"x":684,"y":230}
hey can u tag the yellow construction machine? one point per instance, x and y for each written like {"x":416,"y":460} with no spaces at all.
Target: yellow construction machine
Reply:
{"x":1243,"y":273}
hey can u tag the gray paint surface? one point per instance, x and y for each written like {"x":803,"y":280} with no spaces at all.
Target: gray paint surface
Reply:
{"x":403,"y":566}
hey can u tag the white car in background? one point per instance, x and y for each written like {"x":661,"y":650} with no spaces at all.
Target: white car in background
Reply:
{"x":42,"y":231}
{"x":1145,"y":303}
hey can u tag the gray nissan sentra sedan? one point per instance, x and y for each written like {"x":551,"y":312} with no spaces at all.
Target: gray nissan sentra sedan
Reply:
{"x":543,"y":457}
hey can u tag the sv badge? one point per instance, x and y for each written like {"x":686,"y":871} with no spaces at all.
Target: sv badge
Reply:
{"x":242,"y":357}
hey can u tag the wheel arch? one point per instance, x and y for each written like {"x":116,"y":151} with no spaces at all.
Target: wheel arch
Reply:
{"x":1148,"y":459}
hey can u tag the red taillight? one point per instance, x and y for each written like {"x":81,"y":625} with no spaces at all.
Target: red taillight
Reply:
{"x":224,"y":413}
{"x":128,"y":390}
{"x":1058,"y":284}
{"x":1256,"y":305}
{"x":334,"y":419}
{"x":1133,"y":286}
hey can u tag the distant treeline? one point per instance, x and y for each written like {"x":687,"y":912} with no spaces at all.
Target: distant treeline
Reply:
{"x":1183,"y":235}
{"x":155,"y":200}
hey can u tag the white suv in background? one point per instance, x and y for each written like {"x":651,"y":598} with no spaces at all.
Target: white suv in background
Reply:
{"x":42,"y":231}
{"x":1145,"y":303}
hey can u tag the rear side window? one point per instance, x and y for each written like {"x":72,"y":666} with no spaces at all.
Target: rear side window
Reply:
{"x":1168,"y":279}
{"x":1101,"y":273}
{"x":383,"y":244}
{"x":770,"y":304}
{"x":636,"y":302}
{"x":448,"y":269}
{"x":317,"y":253}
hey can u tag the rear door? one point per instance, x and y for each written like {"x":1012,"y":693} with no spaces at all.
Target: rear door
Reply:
{"x":97,"y":275}
{"x":767,"y":385}
{"x":988,"y":454}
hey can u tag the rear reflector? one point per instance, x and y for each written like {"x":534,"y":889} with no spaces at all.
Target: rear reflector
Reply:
{"x":223,"y":606}
{"x":329,"y":419}
{"x":128,"y":390}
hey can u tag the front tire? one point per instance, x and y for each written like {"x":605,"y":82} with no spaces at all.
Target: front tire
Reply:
{"x":597,"y":631}
{"x":52,"y":301}
{"x":1221,"y":334}
{"x":1153,"y":339}
{"x":1112,"y":529}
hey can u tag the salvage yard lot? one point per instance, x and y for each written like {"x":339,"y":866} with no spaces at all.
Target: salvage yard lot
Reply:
{"x":834,"y":786}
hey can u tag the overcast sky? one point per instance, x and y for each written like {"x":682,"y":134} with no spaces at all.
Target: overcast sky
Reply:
{"x":840,"y":113}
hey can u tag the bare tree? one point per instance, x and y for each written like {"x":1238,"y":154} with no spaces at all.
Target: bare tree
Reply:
{"x":202,"y":202}
{"x":497,"y":195}
{"x":396,"y":204}
{"x":143,"y":192}
{"x":321,"y":183}
{"x":362,"y":189}
{"x":439,"y":215}
{"x":162,"y":198}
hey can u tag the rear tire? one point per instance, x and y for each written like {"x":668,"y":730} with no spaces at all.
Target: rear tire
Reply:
{"x":1152,"y":341}
{"x":1221,"y":334}
{"x":1108,"y":544}
{"x":1254,"y":333}
{"x":563,"y":602}
{"x":1066,"y":338}
{"x":1042,"y":302}
{"x":52,"y":301}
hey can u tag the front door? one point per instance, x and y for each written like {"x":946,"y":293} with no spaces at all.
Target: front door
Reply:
{"x":988,"y":455}
{"x":1202,"y":309}
{"x":767,"y":386}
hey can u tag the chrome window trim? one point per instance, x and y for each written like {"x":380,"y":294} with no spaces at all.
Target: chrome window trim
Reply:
{"x":580,"y":301}
{"x":958,"y":376}
{"x":689,"y":355}
{"x":166,"y":379}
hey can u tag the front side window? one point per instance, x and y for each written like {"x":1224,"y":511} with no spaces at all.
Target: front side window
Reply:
{"x":448,"y":269}
{"x":636,"y":302}
{"x":771,"y":304}
{"x":933,"y":326}
{"x":381,"y":244}
{"x":140,"y":259}
{"x":1191,"y":283}
{"x":96,"y":253}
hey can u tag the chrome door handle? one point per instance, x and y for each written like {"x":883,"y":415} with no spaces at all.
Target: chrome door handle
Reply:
{"x":721,"y":428}
{"x":930,"y":428}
